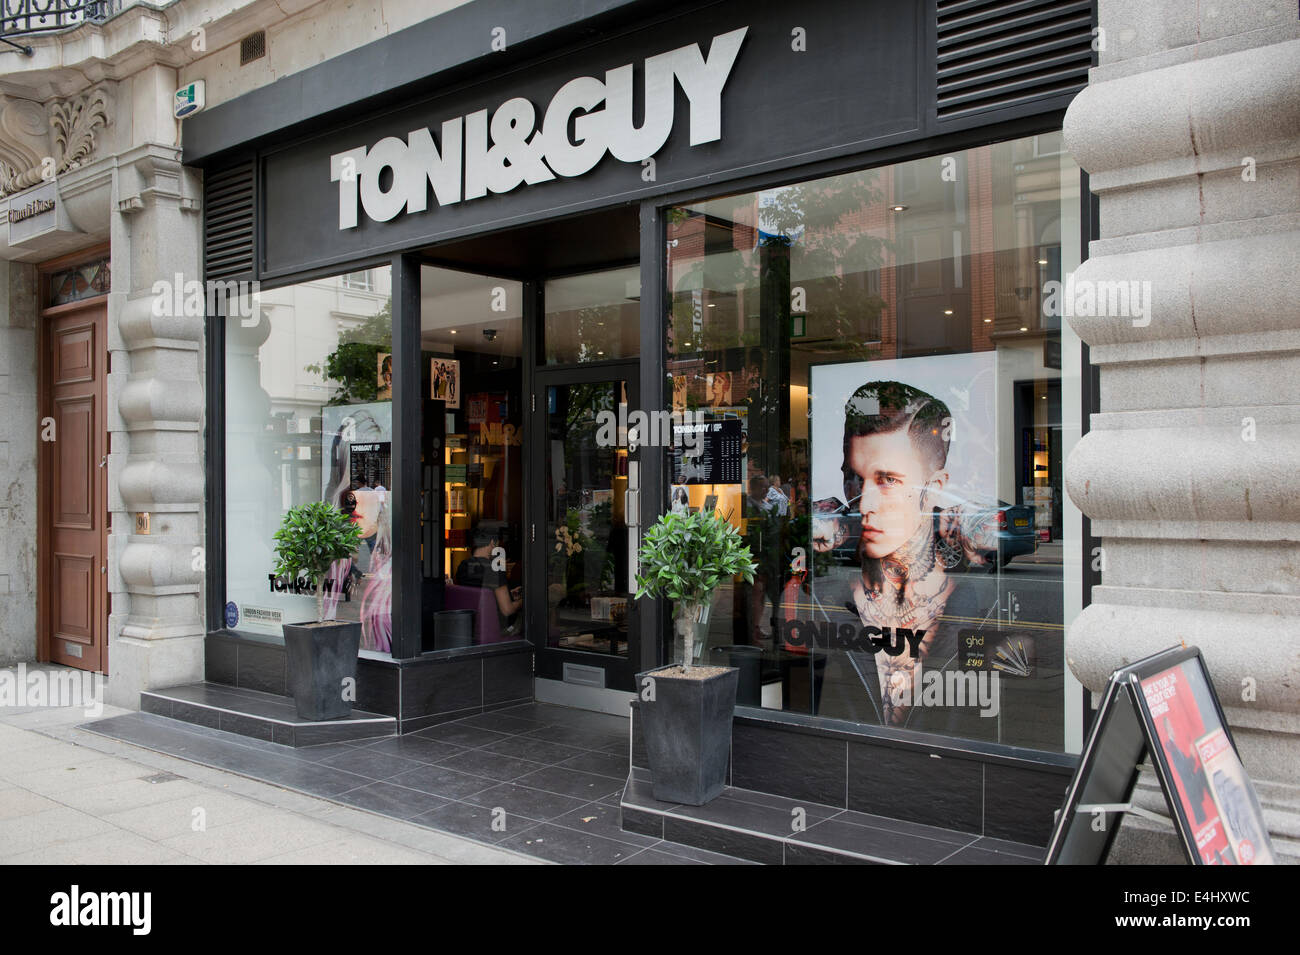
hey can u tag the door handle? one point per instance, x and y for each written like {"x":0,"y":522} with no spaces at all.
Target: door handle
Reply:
{"x":632,"y":496}
{"x":103,"y":461}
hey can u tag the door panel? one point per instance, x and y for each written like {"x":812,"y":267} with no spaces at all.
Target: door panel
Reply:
{"x":73,"y":488}
{"x":74,"y":582}
{"x":584,"y":542}
{"x":74,"y":470}
{"x":74,"y":356}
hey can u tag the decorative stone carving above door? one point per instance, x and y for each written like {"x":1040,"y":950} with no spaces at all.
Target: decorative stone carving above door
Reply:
{"x":45,"y":142}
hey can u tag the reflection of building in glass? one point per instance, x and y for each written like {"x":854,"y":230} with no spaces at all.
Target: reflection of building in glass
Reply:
{"x":303,"y":385}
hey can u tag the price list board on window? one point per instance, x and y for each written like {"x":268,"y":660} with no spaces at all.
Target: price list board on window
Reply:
{"x":714,"y":453}
{"x":371,"y":464}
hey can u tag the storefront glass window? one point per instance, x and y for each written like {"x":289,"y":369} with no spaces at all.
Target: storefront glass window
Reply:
{"x":593,"y":317}
{"x":308,"y":391}
{"x":885,"y":348}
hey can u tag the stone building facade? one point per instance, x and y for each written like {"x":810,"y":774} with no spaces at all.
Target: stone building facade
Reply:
{"x":90,"y":110}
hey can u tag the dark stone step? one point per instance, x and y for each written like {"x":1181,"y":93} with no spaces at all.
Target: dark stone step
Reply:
{"x":264,"y":716}
{"x":776,"y":830}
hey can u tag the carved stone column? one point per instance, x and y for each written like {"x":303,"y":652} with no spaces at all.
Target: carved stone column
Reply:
{"x":157,"y":396}
{"x":1191,"y":472}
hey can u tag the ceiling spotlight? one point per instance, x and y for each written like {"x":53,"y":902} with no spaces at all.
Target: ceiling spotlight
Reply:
{"x":453,"y":331}
{"x":988,"y":321}
{"x":900,"y":208}
{"x":713,"y":305}
{"x":686,"y":344}
{"x":947,"y":311}
{"x":1042,"y":261}
{"x":1024,"y":328}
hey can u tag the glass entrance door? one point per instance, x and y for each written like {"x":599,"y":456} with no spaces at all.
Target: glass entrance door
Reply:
{"x":584,"y":540}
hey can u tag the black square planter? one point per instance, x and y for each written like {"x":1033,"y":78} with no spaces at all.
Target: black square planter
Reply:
{"x":317,"y":661}
{"x":687,"y":730}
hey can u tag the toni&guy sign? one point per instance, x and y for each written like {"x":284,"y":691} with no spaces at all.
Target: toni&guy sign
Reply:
{"x":477,"y":153}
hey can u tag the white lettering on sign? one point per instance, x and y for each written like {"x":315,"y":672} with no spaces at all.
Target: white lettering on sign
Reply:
{"x":477,"y":153}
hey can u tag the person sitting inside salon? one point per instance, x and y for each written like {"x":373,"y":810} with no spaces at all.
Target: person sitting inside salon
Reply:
{"x":485,"y":567}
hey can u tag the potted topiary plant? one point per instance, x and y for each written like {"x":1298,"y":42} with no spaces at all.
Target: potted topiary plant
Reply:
{"x":320,"y":655}
{"x":686,"y":710}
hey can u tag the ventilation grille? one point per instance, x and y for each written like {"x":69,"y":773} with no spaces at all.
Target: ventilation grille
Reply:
{"x":252,"y":47}
{"x":993,"y":54}
{"x":228,"y":222}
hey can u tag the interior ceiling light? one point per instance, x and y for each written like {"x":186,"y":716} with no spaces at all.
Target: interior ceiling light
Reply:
{"x":453,"y":331}
{"x":947,"y":311}
{"x":1024,"y":328}
{"x":900,"y":208}
{"x":713,"y":305}
{"x":686,"y":344}
{"x":988,"y":321}
{"x":1042,"y":261}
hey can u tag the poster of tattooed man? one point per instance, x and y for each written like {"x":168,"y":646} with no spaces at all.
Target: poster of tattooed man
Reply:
{"x":900,"y":615}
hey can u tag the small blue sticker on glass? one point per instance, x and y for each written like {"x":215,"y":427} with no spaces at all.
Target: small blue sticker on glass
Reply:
{"x":232,"y":614}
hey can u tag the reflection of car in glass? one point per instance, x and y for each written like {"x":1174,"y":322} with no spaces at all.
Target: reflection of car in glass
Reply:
{"x":1014,"y":524}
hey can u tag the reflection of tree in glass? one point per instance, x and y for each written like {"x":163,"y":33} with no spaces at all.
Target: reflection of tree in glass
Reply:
{"x":832,"y":252}
{"x":586,"y":401}
{"x":354,"y":363}
{"x":595,"y":327}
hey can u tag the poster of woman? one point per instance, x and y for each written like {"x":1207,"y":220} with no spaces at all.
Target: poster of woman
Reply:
{"x":357,"y":479}
{"x":719,"y":386}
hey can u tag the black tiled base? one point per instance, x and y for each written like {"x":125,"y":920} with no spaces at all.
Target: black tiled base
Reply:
{"x":433,"y":688}
{"x":775,"y":830}
{"x":265,"y":716}
{"x":491,"y":778}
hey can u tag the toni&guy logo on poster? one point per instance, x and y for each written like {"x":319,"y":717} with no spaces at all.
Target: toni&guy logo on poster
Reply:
{"x":478,"y":155}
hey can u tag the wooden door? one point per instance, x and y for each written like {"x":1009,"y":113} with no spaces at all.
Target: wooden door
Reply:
{"x":73,"y":486}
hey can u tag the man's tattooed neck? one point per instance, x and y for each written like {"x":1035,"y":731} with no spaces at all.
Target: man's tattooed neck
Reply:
{"x":911,"y":562}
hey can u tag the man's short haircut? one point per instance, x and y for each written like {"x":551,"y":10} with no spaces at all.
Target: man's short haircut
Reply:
{"x":881,"y":407}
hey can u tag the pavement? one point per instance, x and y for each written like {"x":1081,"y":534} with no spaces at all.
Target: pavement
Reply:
{"x":72,"y":797}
